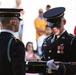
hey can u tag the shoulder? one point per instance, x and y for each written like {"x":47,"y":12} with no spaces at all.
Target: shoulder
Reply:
{"x":73,"y":39}
{"x":16,"y":41}
{"x":17,"y":46}
{"x":49,"y":37}
{"x":70,"y":34}
{"x":26,"y":53}
{"x":36,"y":19}
{"x":42,"y":37}
{"x":36,"y":56}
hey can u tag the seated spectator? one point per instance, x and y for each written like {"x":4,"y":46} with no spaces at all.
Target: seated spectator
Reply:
{"x":30,"y":55}
{"x":30,"y":52}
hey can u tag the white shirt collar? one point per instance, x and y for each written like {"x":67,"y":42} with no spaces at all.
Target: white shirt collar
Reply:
{"x":61,"y":33}
{"x":9,"y":31}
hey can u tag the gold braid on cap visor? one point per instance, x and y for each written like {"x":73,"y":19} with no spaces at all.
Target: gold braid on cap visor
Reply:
{"x":9,"y":12}
{"x":56,"y":17}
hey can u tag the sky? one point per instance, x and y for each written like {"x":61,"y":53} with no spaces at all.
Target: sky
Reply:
{"x":31,"y":8}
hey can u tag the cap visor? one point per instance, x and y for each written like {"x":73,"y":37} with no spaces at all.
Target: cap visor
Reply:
{"x":50,"y":24}
{"x":19,"y":19}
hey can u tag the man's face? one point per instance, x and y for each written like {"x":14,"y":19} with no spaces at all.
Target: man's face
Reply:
{"x":48,"y":31}
{"x":47,"y":8}
{"x":18,"y":2}
{"x":58,"y":30}
{"x":41,"y":12}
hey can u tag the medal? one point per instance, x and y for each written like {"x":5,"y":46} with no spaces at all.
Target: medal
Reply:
{"x":58,"y":51}
{"x":62,"y":51}
{"x":62,"y":48}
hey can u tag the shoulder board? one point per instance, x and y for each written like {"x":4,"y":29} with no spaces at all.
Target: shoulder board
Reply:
{"x":50,"y":36}
{"x":14,"y":38}
{"x":47,"y":38}
{"x":71,"y":35}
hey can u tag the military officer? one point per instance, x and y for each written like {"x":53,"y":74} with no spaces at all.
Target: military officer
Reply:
{"x":12,"y":51}
{"x":60,"y":46}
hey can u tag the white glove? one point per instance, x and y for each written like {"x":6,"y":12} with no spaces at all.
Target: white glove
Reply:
{"x":52,"y":65}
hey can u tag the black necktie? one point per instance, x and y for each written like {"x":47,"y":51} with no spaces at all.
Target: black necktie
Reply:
{"x":55,"y":37}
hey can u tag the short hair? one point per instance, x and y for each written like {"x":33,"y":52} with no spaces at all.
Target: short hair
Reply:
{"x":5,"y":20}
{"x":40,"y":10}
{"x":48,"y":6}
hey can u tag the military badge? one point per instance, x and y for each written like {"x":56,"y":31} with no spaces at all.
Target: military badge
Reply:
{"x":63,"y":37}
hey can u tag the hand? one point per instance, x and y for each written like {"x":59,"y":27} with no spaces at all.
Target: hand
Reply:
{"x":52,"y":65}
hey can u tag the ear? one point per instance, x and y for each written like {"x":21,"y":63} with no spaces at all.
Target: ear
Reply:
{"x":12,"y":22}
{"x":64,"y":21}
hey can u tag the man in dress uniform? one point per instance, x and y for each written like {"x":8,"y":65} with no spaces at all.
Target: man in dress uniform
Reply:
{"x":12,"y":50}
{"x":60,"y":46}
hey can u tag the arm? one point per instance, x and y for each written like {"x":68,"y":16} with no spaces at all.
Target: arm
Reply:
{"x":70,"y":69}
{"x":63,"y":68}
{"x":40,"y":30}
{"x":38,"y":26}
{"x":73,"y":49}
{"x":59,"y":68}
{"x":36,"y":56}
{"x":23,"y":12}
{"x":44,"y":49}
{"x":17,"y":58}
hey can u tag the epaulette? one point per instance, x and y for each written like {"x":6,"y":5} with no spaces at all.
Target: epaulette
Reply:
{"x":71,"y":35}
{"x":72,"y":40}
{"x":47,"y":38}
{"x":14,"y":38}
